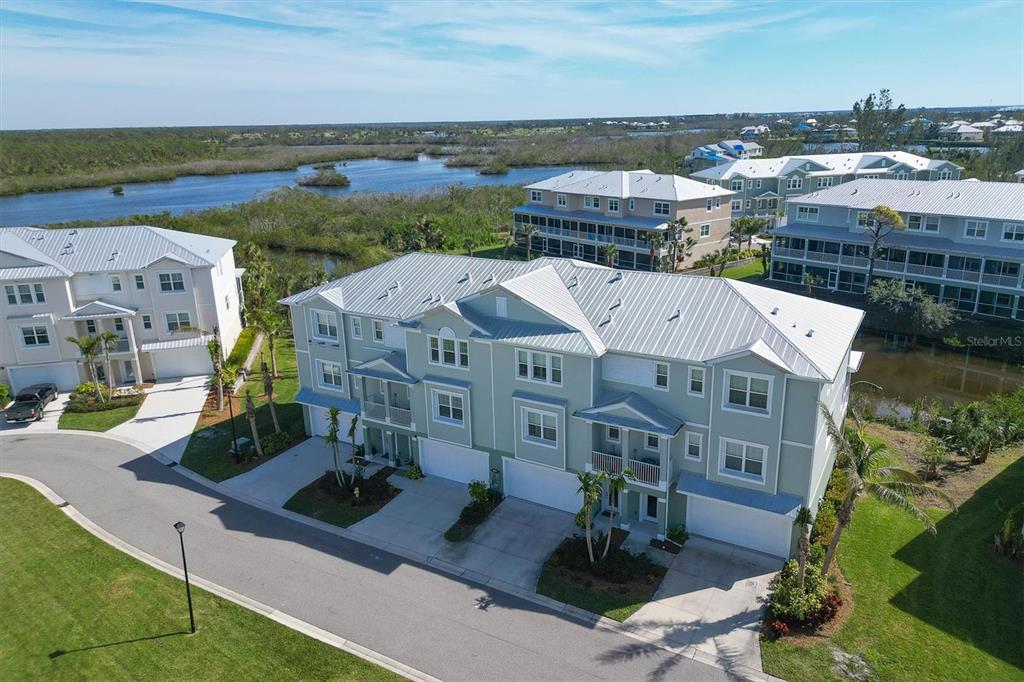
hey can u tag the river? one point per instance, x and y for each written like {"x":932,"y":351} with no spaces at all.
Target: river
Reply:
{"x":196,"y":192}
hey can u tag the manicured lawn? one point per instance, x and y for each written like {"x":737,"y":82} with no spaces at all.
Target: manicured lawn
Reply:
{"x":97,"y":421}
{"x":314,"y":502}
{"x":77,"y":609}
{"x":751,"y":272}
{"x":942,"y":607}
{"x":207,"y":450}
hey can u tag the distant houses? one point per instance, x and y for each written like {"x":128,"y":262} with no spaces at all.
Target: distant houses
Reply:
{"x":708,"y":155}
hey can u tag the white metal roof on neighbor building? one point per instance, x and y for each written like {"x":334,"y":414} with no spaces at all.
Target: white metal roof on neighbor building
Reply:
{"x":689,"y":318}
{"x":823,"y":164}
{"x":109,"y":249}
{"x":993,"y":200}
{"x":640,"y":184}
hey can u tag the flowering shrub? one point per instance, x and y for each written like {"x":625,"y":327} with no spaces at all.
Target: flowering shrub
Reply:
{"x":815,"y":604}
{"x":776,"y":629}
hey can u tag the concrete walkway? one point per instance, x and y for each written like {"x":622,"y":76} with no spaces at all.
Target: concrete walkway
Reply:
{"x":168,"y":415}
{"x":276,"y":481}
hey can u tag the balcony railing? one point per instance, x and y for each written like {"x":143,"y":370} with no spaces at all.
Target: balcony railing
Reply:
{"x":856,"y":261}
{"x":823,"y":257}
{"x":788,"y":253}
{"x":643,"y":472}
{"x":927,"y":270}
{"x":123,"y":346}
{"x":594,"y":237}
{"x":963,"y":275}
{"x":999,"y":280}
{"x":400,"y":416}
{"x":374,"y":410}
{"x":377,"y":410}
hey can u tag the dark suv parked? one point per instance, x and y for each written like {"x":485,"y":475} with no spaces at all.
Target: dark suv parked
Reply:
{"x":29,"y":403}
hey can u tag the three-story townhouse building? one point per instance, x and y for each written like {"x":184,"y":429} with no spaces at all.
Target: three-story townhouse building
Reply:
{"x":524,"y":373}
{"x":762,"y":187}
{"x":146,"y":284}
{"x":577,"y":213}
{"x":963,"y":241}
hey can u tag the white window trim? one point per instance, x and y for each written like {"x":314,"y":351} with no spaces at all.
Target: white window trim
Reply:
{"x":374,"y":323}
{"x":529,"y":364}
{"x":736,"y":205}
{"x":632,"y":204}
{"x":435,"y":408}
{"x":115,"y":284}
{"x":1006,"y":229}
{"x":709,"y":205}
{"x":656,"y":204}
{"x":733,"y":185}
{"x":705,"y":231}
{"x":808,"y":211}
{"x":536,"y":196}
{"x":977,"y":223}
{"x":617,"y":205}
{"x":355,"y":325}
{"x":34,"y":327}
{"x":689,"y":381}
{"x":314,"y":332}
{"x":339,"y":388}
{"x":170,"y":274}
{"x":138,"y":279}
{"x":524,"y":433}
{"x":33,"y":293}
{"x":177,"y":314}
{"x":647,"y":445}
{"x":561,"y":200}
{"x":608,"y":434}
{"x":440,"y":351}
{"x":740,"y":475}
{"x":145,"y":317}
{"x":686,"y":446}
{"x":654,"y":376}
{"x":739,"y":409}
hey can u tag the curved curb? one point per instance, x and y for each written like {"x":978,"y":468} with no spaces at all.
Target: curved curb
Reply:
{"x":223,"y":592}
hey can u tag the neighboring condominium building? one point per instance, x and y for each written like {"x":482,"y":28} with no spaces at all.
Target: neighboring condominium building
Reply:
{"x":577,"y":213}
{"x":963,"y":242}
{"x":148,"y":285}
{"x":525,"y":373}
{"x":708,"y":155}
{"x":762,"y":186}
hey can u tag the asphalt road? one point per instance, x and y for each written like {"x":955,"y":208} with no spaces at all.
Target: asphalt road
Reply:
{"x":429,"y":620}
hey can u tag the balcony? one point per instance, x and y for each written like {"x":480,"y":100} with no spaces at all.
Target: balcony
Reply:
{"x":856,"y":261}
{"x":399,"y":416}
{"x":375,"y":408}
{"x":788,"y":253}
{"x":643,"y":472}
{"x":999,"y":280}
{"x":926,"y":270}
{"x":963,"y":275}
{"x":823,"y":257}
{"x":595,"y":238}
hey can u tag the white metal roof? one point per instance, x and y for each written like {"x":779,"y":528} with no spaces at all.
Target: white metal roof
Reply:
{"x":186,"y":342}
{"x":822,"y":163}
{"x":107,"y":249}
{"x":688,"y":318}
{"x":642,"y":184}
{"x":994,"y":200}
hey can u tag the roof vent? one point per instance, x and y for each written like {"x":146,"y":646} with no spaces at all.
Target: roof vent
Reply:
{"x":775,"y":310}
{"x":810,"y":333}
{"x":676,"y":315}
{"x":72,"y":233}
{"x":490,"y":278}
{"x":607,"y":320}
{"x":617,"y":304}
{"x":575,"y":281}
{"x":616,"y":277}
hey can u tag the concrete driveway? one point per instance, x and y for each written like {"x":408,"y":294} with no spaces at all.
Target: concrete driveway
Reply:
{"x":168,"y":415}
{"x":711,"y":600}
{"x":51,"y":415}
{"x":276,"y":481}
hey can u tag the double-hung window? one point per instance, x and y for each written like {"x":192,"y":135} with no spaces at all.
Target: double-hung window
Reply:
{"x":542,"y":367}
{"x":632,"y":204}
{"x":536,"y":195}
{"x":614,"y":435}
{"x":748,"y":392}
{"x":652,"y":442}
{"x":540,"y":427}
{"x":825,"y":182}
{"x":356,"y":325}
{"x":115,"y":283}
{"x":736,"y":205}
{"x":976,"y":229}
{"x":35,"y":336}
{"x":613,"y":205}
{"x":705,"y":230}
{"x":931,"y":223}
{"x":946,"y":175}
{"x":695,"y":386}
{"x":710,"y":204}
{"x":591,"y":202}
{"x":378,"y":331}
{"x":807,"y":214}
{"x":90,"y":326}
{"x":448,"y":407}
{"x":795,"y":183}
{"x":331,"y":375}
{"x":118,"y":324}
{"x":737,"y":185}
{"x":661,"y":208}
{"x":1013,"y":232}
{"x":140,"y":282}
{"x":24,"y":294}
{"x":865,"y":220}
{"x":661,"y":375}
{"x":147,"y":322}
{"x":744,"y":459}
{"x":561,"y":200}
{"x":694,"y":445}
{"x":176,"y":321}
{"x":171,"y":282}
{"x":449,"y":351}
{"x":914,"y":222}
{"x":325,"y":325}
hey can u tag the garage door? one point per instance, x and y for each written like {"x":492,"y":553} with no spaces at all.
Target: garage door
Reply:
{"x":743,"y":526}
{"x":64,"y":374}
{"x":453,"y":462}
{"x":182,"y":362}
{"x":541,"y":484}
{"x":318,"y":422}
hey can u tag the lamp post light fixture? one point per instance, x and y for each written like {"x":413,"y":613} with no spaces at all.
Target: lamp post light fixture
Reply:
{"x":180,"y":527}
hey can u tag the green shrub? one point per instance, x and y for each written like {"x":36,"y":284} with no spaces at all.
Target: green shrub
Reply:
{"x":1009,"y":541}
{"x":824,"y":524}
{"x":479,"y":492}
{"x":5,"y":394}
{"x":678,"y":535}
{"x":82,"y":405}
{"x":275,"y":442}
{"x":414,"y":473}
{"x":815,"y":604}
{"x":620,"y":566}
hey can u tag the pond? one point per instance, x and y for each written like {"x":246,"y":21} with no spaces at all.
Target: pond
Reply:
{"x":196,"y":192}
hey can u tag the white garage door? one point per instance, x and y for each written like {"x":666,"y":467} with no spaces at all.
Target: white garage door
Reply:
{"x":453,"y":462}
{"x":64,"y":374}
{"x":541,"y":484}
{"x":318,"y":421}
{"x":743,"y":526}
{"x":182,"y":362}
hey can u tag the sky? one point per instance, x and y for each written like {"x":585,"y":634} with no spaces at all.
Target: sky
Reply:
{"x":102,"y":63}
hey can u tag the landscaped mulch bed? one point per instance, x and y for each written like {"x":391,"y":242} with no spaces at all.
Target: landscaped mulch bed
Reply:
{"x":472,"y":515}
{"x":324,"y":500}
{"x":666,"y":546}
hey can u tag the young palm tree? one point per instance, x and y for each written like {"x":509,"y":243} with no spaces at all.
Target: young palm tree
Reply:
{"x":591,"y":486}
{"x":608,"y":252}
{"x":331,"y":438}
{"x":616,"y":484}
{"x":508,"y":242}
{"x":89,"y":347}
{"x":684,"y":250}
{"x":108,"y":344}
{"x":528,"y":231}
{"x":268,"y":388}
{"x":804,"y":519}
{"x":469,"y":243}
{"x":353,"y":425}
{"x":868,"y":474}
{"x":250,"y":414}
{"x":271,"y":325}
{"x":656,"y":241}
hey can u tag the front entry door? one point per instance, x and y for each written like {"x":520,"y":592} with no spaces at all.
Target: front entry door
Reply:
{"x":129,"y":372}
{"x":833,"y":279}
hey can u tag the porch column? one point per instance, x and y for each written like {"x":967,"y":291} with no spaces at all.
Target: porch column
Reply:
{"x":136,"y":366}
{"x":385,"y":386}
{"x":624,"y":444}
{"x":663,"y":515}
{"x":388,"y":443}
{"x":665,"y":459}
{"x":623,"y":520}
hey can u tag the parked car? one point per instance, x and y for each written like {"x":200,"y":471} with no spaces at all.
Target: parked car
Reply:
{"x":28,"y":405}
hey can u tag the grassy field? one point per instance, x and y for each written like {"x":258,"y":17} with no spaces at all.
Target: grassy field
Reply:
{"x":751,"y":272}
{"x":77,"y":609}
{"x":207,"y":450}
{"x":942,"y":607}
{"x":97,"y":421}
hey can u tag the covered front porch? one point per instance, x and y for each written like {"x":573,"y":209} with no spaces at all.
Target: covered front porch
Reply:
{"x":381,"y":444}
{"x":99,"y":317}
{"x":384,"y":385}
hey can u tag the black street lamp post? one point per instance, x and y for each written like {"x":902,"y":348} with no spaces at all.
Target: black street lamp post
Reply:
{"x":180,"y":527}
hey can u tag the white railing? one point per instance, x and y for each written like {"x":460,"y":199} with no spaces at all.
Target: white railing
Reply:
{"x":643,"y":472}
{"x":856,"y":261}
{"x":374,"y":410}
{"x":788,"y":253}
{"x":891,"y":265}
{"x":823,"y":257}
{"x":963,"y":275}
{"x":999,"y":280}
{"x":400,"y":416}
{"x":927,"y":270}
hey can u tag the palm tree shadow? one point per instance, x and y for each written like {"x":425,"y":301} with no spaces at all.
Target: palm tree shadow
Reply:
{"x":57,"y":653}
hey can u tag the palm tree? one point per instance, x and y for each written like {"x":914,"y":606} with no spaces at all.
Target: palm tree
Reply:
{"x":108,"y":344}
{"x":804,"y":519}
{"x":608,"y":252}
{"x":591,"y":485}
{"x":469,"y":243}
{"x":268,"y":388}
{"x":331,"y":438}
{"x":616,"y":484}
{"x":745,"y":227}
{"x":684,"y":250}
{"x":250,"y":414}
{"x":353,"y":425}
{"x":656,"y":241}
{"x":271,"y":325}
{"x":508,"y":242}
{"x":675,"y":230}
{"x":213,"y":346}
{"x":528,"y":231}
{"x":89,"y":347}
{"x":867,"y":474}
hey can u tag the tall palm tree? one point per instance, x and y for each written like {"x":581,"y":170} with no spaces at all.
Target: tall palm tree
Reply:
{"x":268,"y":388}
{"x":675,"y":229}
{"x":804,"y":519}
{"x":108,"y":344}
{"x":271,"y":325}
{"x":868,"y":474}
{"x":89,"y":347}
{"x":528,"y":231}
{"x":684,"y":250}
{"x":250,"y":414}
{"x":608,"y":252}
{"x":656,"y":241}
{"x":616,"y":484}
{"x":508,"y":242}
{"x":882,"y":221}
{"x":331,"y":438}
{"x":213,"y":346}
{"x":591,"y":486}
